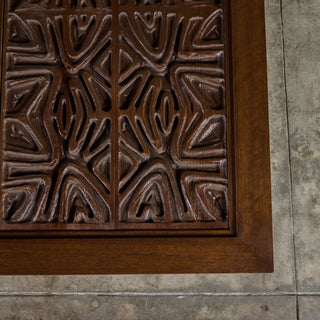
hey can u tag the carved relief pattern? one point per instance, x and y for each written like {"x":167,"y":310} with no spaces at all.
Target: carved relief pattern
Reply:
{"x":172,"y":123}
{"x":57,"y":114}
{"x":72,"y":84}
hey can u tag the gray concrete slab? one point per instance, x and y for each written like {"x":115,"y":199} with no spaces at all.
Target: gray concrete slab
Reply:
{"x":302,"y":53}
{"x":309,"y":307}
{"x":148,"y":308}
{"x":282,"y":280}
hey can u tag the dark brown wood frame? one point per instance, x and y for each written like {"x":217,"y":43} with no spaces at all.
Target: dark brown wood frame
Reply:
{"x":248,"y":248}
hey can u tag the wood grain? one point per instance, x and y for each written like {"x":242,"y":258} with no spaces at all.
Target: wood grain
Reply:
{"x":246,"y":244}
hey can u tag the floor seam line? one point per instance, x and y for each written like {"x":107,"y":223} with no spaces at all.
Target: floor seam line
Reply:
{"x":289,"y":154}
{"x":150,"y":294}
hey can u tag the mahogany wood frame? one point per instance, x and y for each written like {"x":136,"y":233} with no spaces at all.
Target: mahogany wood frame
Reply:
{"x":248,"y":249}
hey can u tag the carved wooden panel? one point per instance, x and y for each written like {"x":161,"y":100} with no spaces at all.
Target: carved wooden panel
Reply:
{"x":114,"y":115}
{"x":134,"y":137}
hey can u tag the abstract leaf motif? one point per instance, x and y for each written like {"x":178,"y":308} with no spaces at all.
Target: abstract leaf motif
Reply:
{"x":79,"y":203}
{"x":151,"y":36}
{"x":24,"y":201}
{"x":207,"y":193}
{"x":204,"y":33}
{"x":153,"y":197}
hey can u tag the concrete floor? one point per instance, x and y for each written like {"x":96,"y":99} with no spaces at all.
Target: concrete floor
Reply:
{"x":293,"y":290}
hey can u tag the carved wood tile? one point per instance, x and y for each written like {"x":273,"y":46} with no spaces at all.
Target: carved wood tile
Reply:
{"x":114,"y":114}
